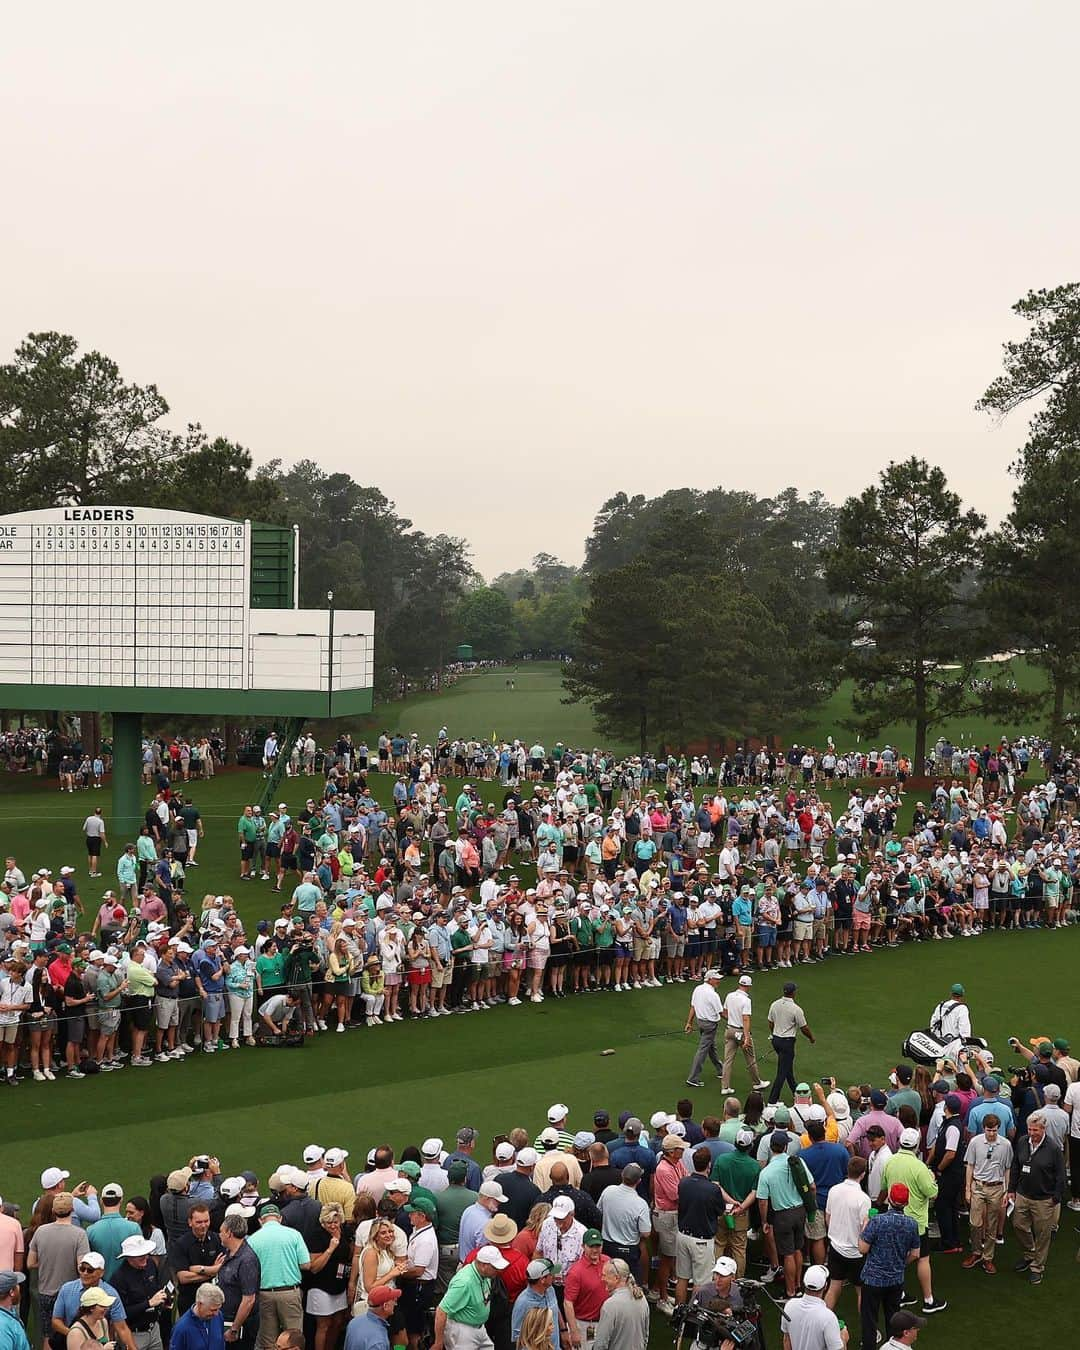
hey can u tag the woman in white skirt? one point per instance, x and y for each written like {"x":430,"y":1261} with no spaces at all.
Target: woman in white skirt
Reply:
{"x":327,"y":1295}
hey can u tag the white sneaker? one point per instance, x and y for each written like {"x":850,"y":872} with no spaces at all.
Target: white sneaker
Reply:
{"x":536,"y":998}
{"x":340,"y":1027}
{"x":39,"y":1077}
{"x":163,"y":1057}
{"x":399,"y":1017}
{"x":322,"y":1025}
{"x":185,"y":1047}
{"x":178,"y":1053}
{"x":665,"y":1306}
{"x":516,"y":1003}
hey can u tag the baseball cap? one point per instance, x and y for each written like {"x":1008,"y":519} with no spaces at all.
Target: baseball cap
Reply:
{"x":94,"y":1259}
{"x":382,"y":1294}
{"x":877,"y":1099}
{"x":940,"y":1088}
{"x":816,"y":1113}
{"x":657,"y":1119}
{"x":10,"y":1279}
{"x":903,"y":1321}
{"x":816,"y":1278}
{"x":95,"y":1297}
{"x":957,"y":989}
{"x":491,"y":1256}
{"x":458,"y":1170}
{"x":505,"y":1151}
{"x":952,"y":1101}
{"x":991,"y":1082}
{"x":802,"y":1089}
{"x":724,"y":1265}
{"x":527,"y":1157}
{"x":1061,"y":1044}
{"x":744,"y":1138}
{"x":431,"y":1148}
{"x":745,"y":980}
{"x":421,"y":1204}
{"x":781,"y":1116}
{"x":401,"y":1185}
{"x":491,"y":1190}
{"x":334,"y":1157}
{"x":112,"y":1190}
{"x":410,"y":1169}
{"x":536,"y":1270}
{"x":713,"y":975}
{"x":909,"y":1138}
{"x":561,"y":1207}
{"x":899,"y":1193}
{"x":53,"y":1176}
{"x":633,"y":1125}
{"x":558,"y":1112}
{"x":231,"y":1187}
{"x":592,"y":1238}
{"x":672,"y":1141}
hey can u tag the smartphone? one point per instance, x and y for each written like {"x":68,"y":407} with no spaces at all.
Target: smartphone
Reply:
{"x":170,"y":1288}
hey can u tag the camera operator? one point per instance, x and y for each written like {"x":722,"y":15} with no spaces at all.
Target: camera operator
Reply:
{"x":722,"y":1293}
{"x":1041,"y":1066}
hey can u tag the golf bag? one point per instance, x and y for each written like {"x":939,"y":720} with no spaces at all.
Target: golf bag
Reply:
{"x":924,"y":1047}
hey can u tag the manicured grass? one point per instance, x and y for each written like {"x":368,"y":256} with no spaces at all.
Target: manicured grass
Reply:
{"x":481,"y":706}
{"x":501,"y":1068}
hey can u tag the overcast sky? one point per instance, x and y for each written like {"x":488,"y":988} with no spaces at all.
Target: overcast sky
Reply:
{"x":503,"y":260}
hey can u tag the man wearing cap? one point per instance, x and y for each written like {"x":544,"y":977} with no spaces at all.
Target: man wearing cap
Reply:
{"x":627,"y":1222}
{"x":521,"y":1190}
{"x":809,"y":1323}
{"x":66,"y":1307}
{"x":846,"y":1212}
{"x":950,"y":1021}
{"x":786,"y":1020}
{"x":856,"y":1142}
{"x":720,"y":1293}
{"x":463,"y":1311}
{"x":632,"y":1150}
{"x":370,"y":1331}
{"x":335,"y":1187}
{"x":417,"y":1280}
{"x":736,"y":1173}
{"x":108,"y":1233}
{"x":540,"y":1293}
{"x":561,"y":1237}
{"x":737,"y":1034}
{"x":781,"y":1207}
{"x":12,"y":1334}
{"x":466,"y":1146}
{"x":432,"y":1176}
{"x":707,"y":1010}
{"x":450,"y":1205}
{"x":283,"y":1257}
{"x":670,"y":1171}
{"x":908,"y":1169}
{"x":889,"y":1243}
{"x":55,"y":1251}
{"x":584,"y":1291}
{"x":477,"y":1215}
{"x":141,"y":1285}
{"x":905,"y":1327}
{"x":557,"y":1116}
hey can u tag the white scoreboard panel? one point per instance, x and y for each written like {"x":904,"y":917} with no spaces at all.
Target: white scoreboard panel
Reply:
{"x":123,"y":596}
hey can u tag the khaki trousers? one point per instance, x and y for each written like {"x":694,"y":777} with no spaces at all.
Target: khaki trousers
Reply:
{"x":986,"y":1199}
{"x":733,"y":1041}
{"x":1033,"y":1223}
{"x":732,"y":1241}
{"x":279,"y":1310}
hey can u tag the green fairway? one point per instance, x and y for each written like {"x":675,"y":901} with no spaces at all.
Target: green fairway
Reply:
{"x":499,"y":1068}
{"x":480,"y":705}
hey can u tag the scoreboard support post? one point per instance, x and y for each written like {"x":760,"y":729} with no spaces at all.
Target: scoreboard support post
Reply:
{"x":127,"y":775}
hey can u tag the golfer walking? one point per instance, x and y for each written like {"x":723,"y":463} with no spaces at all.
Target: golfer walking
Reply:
{"x":786,"y":1020}
{"x":738,"y":1036}
{"x":707,"y":1009}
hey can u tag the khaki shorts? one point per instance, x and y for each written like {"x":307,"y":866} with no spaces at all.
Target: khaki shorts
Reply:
{"x":9,"y":1033}
{"x":166,"y":1013}
{"x":819,"y":928}
{"x":641,"y":948}
{"x":440,"y":979}
{"x":804,"y":931}
{"x":815,"y":1227}
{"x":666,"y":1227}
{"x":694,"y":1258}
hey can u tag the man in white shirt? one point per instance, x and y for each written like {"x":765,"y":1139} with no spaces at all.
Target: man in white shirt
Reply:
{"x":951,"y":1021}
{"x":1072,"y":1106}
{"x":707,"y":1010}
{"x":846,"y":1212}
{"x":809,"y":1323}
{"x":737,"y":1033}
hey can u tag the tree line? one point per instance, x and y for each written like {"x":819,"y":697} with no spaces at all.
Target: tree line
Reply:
{"x":696,"y":615}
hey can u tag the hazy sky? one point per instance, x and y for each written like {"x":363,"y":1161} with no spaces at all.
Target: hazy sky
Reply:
{"x":504,"y":259}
